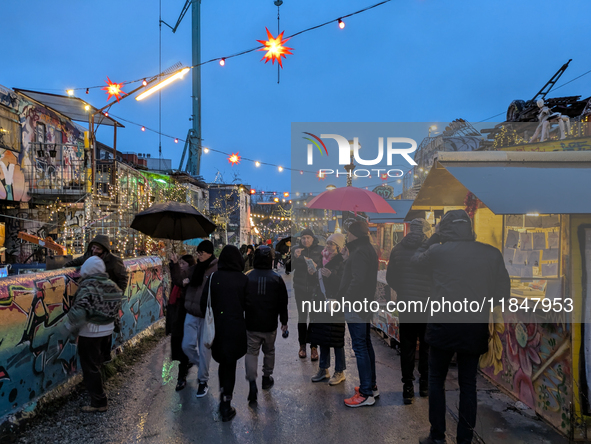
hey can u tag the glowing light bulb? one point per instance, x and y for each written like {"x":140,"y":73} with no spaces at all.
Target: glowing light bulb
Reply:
{"x":222,"y":62}
{"x":106,"y":114}
{"x":206,"y":150}
{"x":145,"y":82}
{"x":257,"y":163}
{"x":143,"y":128}
{"x":70,"y":92}
{"x":87,"y":107}
{"x":176,"y":140}
{"x":341,"y":24}
{"x":280,"y":168}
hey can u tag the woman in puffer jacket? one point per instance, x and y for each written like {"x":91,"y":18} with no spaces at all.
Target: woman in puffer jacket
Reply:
{"x":325,"y":330}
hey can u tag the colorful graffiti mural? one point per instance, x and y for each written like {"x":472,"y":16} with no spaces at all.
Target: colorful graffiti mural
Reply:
{"x":12,"y":178}
{"x":34,"y":354}
{"x":530,"y":358}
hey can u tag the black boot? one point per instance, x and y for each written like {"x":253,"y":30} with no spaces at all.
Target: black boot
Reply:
{"x":408,"y":393}
{"x":252,"y":394}
{"x":424,"y":388}
{"x":268,"y":382}
{"x":227,"y":412}
{"x":182,"y":378}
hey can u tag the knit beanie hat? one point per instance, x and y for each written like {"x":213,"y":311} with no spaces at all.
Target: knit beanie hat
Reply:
{"x":359,"y":228}
{"x":420,"y":225}
{"x":307,"y":232}
{"x":91,"y":266}
{"x":206,"y":246}
{"x":338,"y":239}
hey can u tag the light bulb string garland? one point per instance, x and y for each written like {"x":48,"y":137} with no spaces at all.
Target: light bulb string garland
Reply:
{"x":222,"y":60}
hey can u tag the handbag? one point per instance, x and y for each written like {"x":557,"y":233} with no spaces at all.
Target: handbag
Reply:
{"x":209,"y":327}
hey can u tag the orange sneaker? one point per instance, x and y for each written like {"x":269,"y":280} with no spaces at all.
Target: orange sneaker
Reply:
{"x":376,"y":392}
{"x":358,"y":400}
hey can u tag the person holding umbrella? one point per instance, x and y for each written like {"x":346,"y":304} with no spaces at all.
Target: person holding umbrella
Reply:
{"x":176,"y":314}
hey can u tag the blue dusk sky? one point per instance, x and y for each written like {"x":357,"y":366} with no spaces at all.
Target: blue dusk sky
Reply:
{"x":404,"y":61}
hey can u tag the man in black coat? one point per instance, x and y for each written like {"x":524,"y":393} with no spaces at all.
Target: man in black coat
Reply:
{"x":462,"y":269}
{"x":266,"y":301}
{"x":304,"y":284}
{"x":360,"y":278}
{"x":411,"y":283}
{"x":101,"y":246}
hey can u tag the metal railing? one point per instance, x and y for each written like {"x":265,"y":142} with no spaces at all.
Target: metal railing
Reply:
{"x":57,"y":169}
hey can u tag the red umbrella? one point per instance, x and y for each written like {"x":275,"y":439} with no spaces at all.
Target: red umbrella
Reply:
{"x":351,"y":199}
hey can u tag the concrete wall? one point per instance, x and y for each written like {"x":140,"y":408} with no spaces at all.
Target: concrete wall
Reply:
{"x":34,"y":357}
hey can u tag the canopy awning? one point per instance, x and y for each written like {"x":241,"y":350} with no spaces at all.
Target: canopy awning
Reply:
{"x":70,"y":107}
{"x":510,"y":182}
{"x":401,"y":207}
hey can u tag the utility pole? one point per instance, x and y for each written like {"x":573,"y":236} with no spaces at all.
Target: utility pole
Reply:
{"x":194,"y":138}
{"x":193,"y":142}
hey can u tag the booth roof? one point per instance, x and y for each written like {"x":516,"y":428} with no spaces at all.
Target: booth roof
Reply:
{"x":510,"y":182}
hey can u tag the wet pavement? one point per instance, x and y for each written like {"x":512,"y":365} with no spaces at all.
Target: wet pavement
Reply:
{"x":144,"y":407}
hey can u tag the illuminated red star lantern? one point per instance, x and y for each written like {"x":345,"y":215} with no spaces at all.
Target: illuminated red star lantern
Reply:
{"x":234,"y":159}
{"x":321,"y":175}
{"x":274,"y":47}
{"x":113,"y":89}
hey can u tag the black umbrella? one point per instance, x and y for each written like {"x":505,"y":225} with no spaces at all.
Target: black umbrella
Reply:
{"x":173,"y":220}
{"x":282,"y":242}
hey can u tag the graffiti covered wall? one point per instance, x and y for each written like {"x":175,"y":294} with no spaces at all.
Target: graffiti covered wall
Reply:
{"x":34,"y":357}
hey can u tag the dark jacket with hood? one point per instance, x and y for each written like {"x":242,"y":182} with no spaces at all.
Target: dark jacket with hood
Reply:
{"x":229,"y":291}
{"x":360,"y":276}
{"x":195,"y":288}
{"x":304,"y":282}
{"x":410,"y":281}
{"x":462,"y":269}
{"x":325,"y":329}
{"x":114,"y":264}
{"x":175,"y":313}
{"x":267,"y":296}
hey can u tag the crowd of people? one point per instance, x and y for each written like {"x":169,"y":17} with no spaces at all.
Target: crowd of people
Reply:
{"x":249,"y":301}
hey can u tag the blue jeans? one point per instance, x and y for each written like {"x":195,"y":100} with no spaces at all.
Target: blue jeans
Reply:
{"x":339,"y":358}
{"x":366,"y":358}
{"x":195,"y":348}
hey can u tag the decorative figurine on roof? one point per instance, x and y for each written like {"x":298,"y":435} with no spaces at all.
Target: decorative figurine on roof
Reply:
{"x":546,"y":117}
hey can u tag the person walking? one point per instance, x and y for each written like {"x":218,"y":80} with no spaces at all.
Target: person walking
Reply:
{"x":100,"y":246}
{"x":92,"y":317}
{"x":306,"y":257}
{"x":411,"y":284}
{"x":229,"y":292}
{"x":266,"y":301}
{"x":192,"y":344}
{"x":462,"y":269}
{"x":325,"y":330}
{"x":358,"y":284}
{"x":176,"y":314}
{"x":248,"y":258}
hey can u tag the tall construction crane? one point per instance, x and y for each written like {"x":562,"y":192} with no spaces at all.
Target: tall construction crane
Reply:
{"x":193,"y":140}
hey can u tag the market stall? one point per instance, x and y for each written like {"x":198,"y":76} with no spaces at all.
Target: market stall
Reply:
{"x":530,"y":207}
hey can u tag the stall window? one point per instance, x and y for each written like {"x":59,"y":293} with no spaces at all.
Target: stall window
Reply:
{"x":10,"y":131}
{"x":532,"y":246}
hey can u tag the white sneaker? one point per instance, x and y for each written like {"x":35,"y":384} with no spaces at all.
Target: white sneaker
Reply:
{"x":337,"y":378}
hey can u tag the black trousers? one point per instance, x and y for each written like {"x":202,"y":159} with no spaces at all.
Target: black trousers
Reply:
{"x":409,"y":334}
{"x":227,"y":377}
{"x":303,"y":325}
{"x":467,"y":368}
{"x":177,"y":354}
{"x":93,"y":352}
